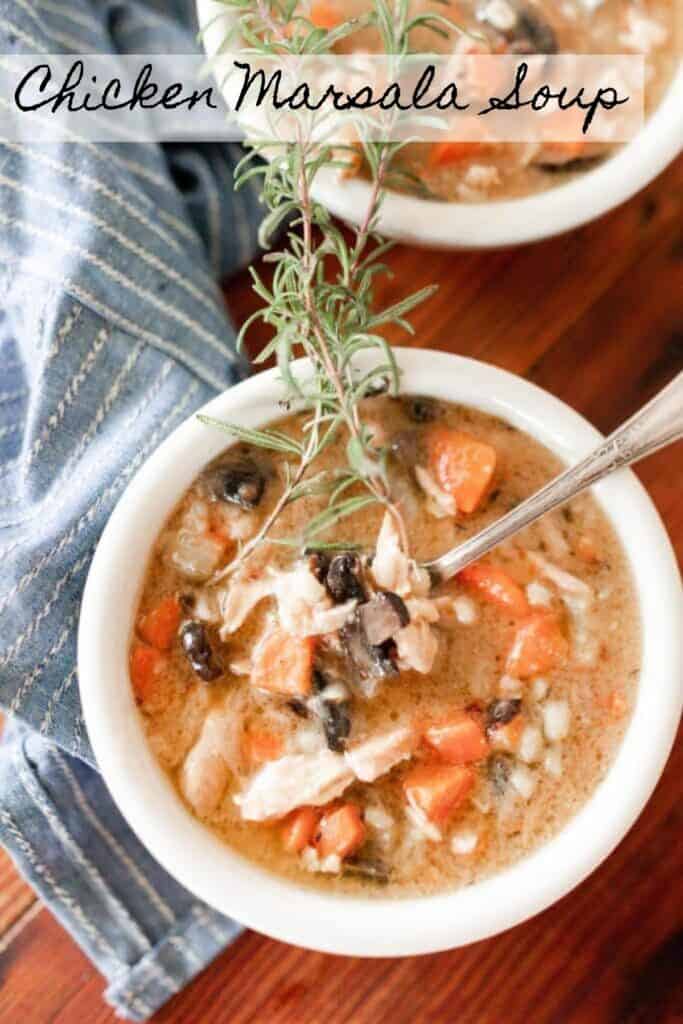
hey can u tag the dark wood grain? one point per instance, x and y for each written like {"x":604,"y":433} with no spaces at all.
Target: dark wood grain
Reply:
{"x":596,"y":317}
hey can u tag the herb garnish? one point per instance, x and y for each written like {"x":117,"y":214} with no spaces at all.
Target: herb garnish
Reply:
{"x":321,"y":301}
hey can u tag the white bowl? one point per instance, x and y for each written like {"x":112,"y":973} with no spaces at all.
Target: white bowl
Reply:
{"x":446,"y":225}
{"x":346,"y":924}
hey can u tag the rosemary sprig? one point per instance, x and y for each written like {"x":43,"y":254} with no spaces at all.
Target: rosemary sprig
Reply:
{"x":321,"y":301}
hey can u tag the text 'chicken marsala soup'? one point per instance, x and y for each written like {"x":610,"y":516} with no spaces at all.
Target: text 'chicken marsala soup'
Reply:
{"x":467,"y":171}
{"x":334,"y":717}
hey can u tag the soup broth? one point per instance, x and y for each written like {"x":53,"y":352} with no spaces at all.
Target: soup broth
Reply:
{"x":473,"y":172}
{"x":336,"y":719}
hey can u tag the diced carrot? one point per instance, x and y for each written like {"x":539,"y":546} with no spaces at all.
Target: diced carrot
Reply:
{"x":496,"y":586}
{"x":160,"y":625}
{"x":298,"y":828}
{"x":462,"y":466}
{"x":146,"y":675}
{"x":539,"y":646}
{"x":284,"y":664}
{"x":340,"y":832}
{"x":259,"y":746}
{"x":438,"y":789}
{"x":507,"y":736}
{"x":324,"y":15}
{"x":454,"y":151}
{"x":559,"y":123}
{"x":458,"y":739}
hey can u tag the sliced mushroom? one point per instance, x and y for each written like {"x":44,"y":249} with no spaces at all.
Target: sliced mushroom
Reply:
{"x":238,"y":480}
{"x":318,"y":563}
{"x":194,"y":641}
{"x":343,"y":579}
{"x":366,"y":866}
{"x":332,"y":704}
{"x":499,"y":768}
{"x":374,"y":662}
{"x":532,"y":34}
{"x":382,"y":617}
{"x":500,"y":712}
{"x":422,"y":410}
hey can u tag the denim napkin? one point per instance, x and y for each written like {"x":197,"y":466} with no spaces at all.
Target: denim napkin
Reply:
{"x":112,"y":330}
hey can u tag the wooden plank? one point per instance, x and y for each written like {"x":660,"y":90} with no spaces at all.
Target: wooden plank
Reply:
{"x":597,"y":318}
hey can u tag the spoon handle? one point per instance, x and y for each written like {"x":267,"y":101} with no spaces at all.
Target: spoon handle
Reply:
{"x":657,"y":424}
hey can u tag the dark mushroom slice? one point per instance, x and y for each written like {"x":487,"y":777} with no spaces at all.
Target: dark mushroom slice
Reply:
{"x":422,"y":410}
{"x":336,"y":723}
{"x":532,"y":34}
{"x":298,"y":707}
{"x":239,"y":479}
{"x":368,"y":662}
{"x":194,"y":641}
{"x":382,"y":617}
{"x":344,"y":578}
{"x":500,"y":712}
{"x":318,"y":562}
{"x":365,"y":866}
{"x":498,"y":769}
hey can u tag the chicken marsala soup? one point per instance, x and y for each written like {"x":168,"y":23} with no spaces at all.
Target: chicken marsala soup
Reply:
{"x":475,"y":172}
{"x":339,"y":721}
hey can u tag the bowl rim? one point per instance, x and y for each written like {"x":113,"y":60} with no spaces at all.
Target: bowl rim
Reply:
{"x":352,"y":925}
{"x":439,"y":224}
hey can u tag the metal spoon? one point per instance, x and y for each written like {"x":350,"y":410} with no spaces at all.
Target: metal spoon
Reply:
{"x":657,"y":424}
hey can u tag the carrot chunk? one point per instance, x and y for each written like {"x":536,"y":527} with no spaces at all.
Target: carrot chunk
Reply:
{"x":298,"y":828}
{"x":443,"y":154}
{"x":539,"y":646}
{"x":324,"y":15}
{"x":459,"y":739}
{"x":438,"y":789}
{"x":284,"y":664}
{"x":341,"y":832}
{"x":146,"y":675}
{"x":160,"y":625}
{"x":494,"y":585}
{"x":259,"y":746}
{"x":462,"y":466}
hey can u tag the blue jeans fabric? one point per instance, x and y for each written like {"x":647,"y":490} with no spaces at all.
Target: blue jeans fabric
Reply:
{"x":112,"y":330}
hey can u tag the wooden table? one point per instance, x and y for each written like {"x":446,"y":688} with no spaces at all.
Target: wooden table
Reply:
{"x":595,"y":317}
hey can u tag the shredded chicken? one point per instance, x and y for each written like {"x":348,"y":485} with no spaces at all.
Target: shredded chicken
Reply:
{"x":378,"y":755}
{"x":579,"y":599}
{"x":439,"y":504}
{"x":292,"y":781}
{"x":206,"y":771}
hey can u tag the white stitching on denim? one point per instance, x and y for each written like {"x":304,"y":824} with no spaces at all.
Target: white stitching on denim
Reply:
{"x":45,"y":610}
{"x":61,"y":38}
{"x":34,"y":153}
{"x":173,"y":312}
{"x":87,"y":516}
{"x":203,"y":372}
{"x":91,"y":816}
{"x":120,"y":913}
{"x":55,"y":698}
{"x":78,"y":17}
{"x":30,"y":679}
{"x":86,"y":437}
{"x":70,"y":320}
{"x":58,"y":890}
{"x":123,"y":239}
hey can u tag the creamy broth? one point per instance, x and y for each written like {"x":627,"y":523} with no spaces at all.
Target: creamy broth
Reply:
{"x":473,"y":173}
{"x":542,"y":739}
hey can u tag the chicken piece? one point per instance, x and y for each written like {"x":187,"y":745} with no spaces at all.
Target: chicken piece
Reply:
{"x":417,"y":645}
{"x":205,"y":774}
{"x":292,"y":781}
{"x":378,"y":755}
{"x":390,"y":566}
